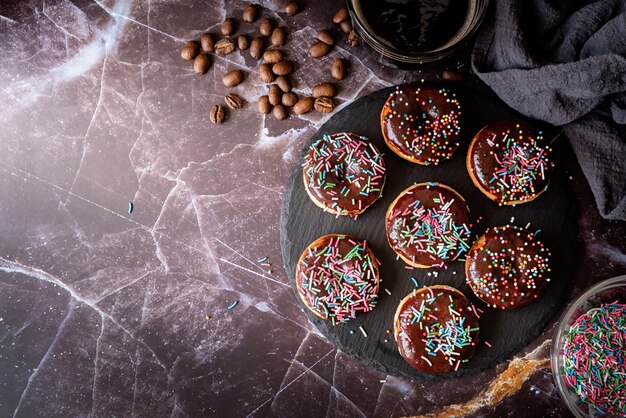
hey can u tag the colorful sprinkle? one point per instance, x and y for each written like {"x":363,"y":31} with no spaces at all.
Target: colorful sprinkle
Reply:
{"x":595,"y":358}
{"x":130,"y":207}
{"x":232,"y":305}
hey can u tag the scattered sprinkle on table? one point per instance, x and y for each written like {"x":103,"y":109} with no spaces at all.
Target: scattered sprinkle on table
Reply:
{"x":130,"y":207}
{"x":363,"y":332}
{"x":387,"y":291}
{"x":232,"y":305}
{"x":415,"y":282}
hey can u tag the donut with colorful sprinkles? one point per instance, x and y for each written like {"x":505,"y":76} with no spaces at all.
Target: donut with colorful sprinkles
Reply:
{"x":436,"y":329}
{"x":428,"y":225}
{"x":337,"y":277}
{"x":510,"y":162}
{"x":343,"y":173}
{"x":421,"y":123}
{"x":507,"y":267}
{"x":594,"y":363}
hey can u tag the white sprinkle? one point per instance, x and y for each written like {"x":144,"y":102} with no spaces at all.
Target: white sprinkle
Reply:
{"x":388,"y":292}
{"x":512,"y":219}
{"x":527,"y":225}
{"x":363,"y":331}
{"x":383,"y":381}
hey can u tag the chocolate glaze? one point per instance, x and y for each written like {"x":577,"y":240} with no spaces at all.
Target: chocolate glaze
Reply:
{"x":488,"y":150}
{"x":507,"y":267}
{"x":358,"y":176}
{"x":421,"y":123}
{"x":417,"y":253}
{"x":329,"y":268}
{"x":410,"y":334}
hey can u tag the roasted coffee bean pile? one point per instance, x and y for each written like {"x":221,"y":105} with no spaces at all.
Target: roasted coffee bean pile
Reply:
{"x":275,"y":69}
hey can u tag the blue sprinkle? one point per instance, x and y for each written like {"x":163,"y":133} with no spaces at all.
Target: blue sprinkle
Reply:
{"x":232,"y":305}
{"x":130,"y":207}
{"x":415,"y":282}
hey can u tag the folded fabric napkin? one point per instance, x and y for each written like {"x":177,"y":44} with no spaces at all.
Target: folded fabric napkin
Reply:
{"x":564,"y":62}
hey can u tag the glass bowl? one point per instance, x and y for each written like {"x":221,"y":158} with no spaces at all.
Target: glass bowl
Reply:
{"x":605,"y":292}
{"x":387,"y":42}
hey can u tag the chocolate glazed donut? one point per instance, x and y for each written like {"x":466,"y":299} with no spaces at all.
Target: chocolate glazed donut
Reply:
{"x":337,"y":277}
{"x":510,"y":162}
{"x":507,"y":267}
{"x":436,"y":329}
{"x":428,"y":225}
{"x":420,"y":123}
{"x":343,"y":173}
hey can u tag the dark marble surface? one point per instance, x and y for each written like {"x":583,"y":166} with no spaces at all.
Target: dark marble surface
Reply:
{"x":106,"y":313}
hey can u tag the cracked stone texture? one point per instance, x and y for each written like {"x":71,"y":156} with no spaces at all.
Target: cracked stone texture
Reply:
{"x":106,"y":313}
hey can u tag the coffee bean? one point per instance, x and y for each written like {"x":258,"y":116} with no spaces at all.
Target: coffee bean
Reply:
{"x":338,"y":69}
{"x":291,"y":8}
{"x":341,"y":15}
{"x":324,"y":90}
{"x":289,"y":99}
{"x":319,"y":49}
{"x":353,"y":38}
{"x":201,"y":64}
{"x":189,"y":51}
{"x":242,"y":42}
{"x":233,"y":101}
{"x":279,"y":36}
{"x":264,"y":105}
{"x":228,"y":26}
{"x":217,"y":114}
{"x":250,"y":13}
{"x":346,"y":26}
{"x":267,"y":76}
{"x":324,"y":105}
{"x":275,"y":94}
{"x":453,"y":76}
{"x":282,"y":68}
{"x":284,"y":83}
{"x":273,"y":56}
{"x":207,"y":42}
{"x":266,"y":27}
{"x":280,"y":112}
{"x":304,"y":105}
{"x":257,"y":46}
{"x":224,"y":46}
{"x":232,"y":78}
{"x":325,"y":37}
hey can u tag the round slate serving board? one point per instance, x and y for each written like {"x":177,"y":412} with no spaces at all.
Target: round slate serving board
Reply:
{"x":507,"y":331}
